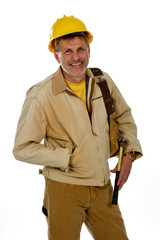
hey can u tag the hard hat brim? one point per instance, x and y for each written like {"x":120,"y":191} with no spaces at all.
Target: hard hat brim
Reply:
{"x":88,"y":36}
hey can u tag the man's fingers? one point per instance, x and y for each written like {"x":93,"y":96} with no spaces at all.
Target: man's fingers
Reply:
{"x":122,"y":179}
{"x":125,"y":171}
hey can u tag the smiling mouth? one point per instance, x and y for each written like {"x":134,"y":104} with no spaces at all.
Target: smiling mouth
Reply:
{"x":76,"y":64}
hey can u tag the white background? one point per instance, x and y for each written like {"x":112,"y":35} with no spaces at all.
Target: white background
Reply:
{"x":126,"y":45}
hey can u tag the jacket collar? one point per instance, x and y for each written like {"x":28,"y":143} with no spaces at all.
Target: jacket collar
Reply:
{"x":58,"y":83}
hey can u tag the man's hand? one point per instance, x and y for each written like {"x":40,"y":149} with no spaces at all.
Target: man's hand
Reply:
{"x":125,"y":171}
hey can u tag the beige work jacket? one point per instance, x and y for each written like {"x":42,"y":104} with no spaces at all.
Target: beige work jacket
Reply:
{"x":56,"y":131}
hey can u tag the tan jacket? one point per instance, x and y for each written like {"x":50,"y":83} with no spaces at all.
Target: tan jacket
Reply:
{"x":75,"y":149}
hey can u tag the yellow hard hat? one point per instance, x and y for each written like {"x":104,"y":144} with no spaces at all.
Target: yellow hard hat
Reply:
{"x":65,"y":26}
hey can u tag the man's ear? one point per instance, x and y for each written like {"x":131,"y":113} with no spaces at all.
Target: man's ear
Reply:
{"x":56,"y":57}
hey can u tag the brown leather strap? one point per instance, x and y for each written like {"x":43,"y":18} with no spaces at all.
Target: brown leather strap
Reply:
{"x":108,"y":100}
{"x":96,"y":71}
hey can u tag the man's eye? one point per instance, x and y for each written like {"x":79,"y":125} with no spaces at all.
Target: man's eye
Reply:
{"x":68,"y":51}
{"x":81,"y":49}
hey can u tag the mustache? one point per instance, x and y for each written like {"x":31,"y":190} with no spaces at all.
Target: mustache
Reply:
{"x":79,"y":61}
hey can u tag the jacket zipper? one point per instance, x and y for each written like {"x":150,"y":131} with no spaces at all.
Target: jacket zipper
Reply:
{"x":88,"y":117}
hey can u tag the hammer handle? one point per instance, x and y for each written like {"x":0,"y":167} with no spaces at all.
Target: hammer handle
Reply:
{"x":115,"y":192}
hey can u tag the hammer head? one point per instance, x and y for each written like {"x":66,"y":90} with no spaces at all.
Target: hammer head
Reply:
{"x":122,"y":142}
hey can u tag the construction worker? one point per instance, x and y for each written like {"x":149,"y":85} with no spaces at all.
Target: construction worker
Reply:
{"x":67,"y":111}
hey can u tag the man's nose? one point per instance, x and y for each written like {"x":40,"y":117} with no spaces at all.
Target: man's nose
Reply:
{"x":75,"y":56}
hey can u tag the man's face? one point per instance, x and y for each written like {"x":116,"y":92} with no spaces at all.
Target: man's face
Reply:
{"x":73,"y":55}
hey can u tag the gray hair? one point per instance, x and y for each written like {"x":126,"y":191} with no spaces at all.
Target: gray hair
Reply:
{"x":70,"y":36}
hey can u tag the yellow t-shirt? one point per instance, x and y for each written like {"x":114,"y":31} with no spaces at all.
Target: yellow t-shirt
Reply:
{"x":79,"y":89}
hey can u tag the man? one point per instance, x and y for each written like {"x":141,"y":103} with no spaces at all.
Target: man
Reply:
{"x":68,"y":112}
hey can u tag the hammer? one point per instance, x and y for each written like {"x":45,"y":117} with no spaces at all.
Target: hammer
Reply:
{"x":122,"y":143}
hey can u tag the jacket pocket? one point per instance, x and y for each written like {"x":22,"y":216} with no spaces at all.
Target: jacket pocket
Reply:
{"x":83,"y":161}
{"x":59,"y":143}
{"x":73,"y":155}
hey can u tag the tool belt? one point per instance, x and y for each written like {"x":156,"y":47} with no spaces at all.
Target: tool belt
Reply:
{"x":109,"y":105}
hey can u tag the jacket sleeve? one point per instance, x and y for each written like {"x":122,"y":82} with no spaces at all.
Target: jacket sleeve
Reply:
{"x":124,"y":118}
{"x":31,"y":130}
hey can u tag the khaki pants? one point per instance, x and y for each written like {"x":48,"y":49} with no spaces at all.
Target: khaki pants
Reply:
{"x":68,"y":206}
